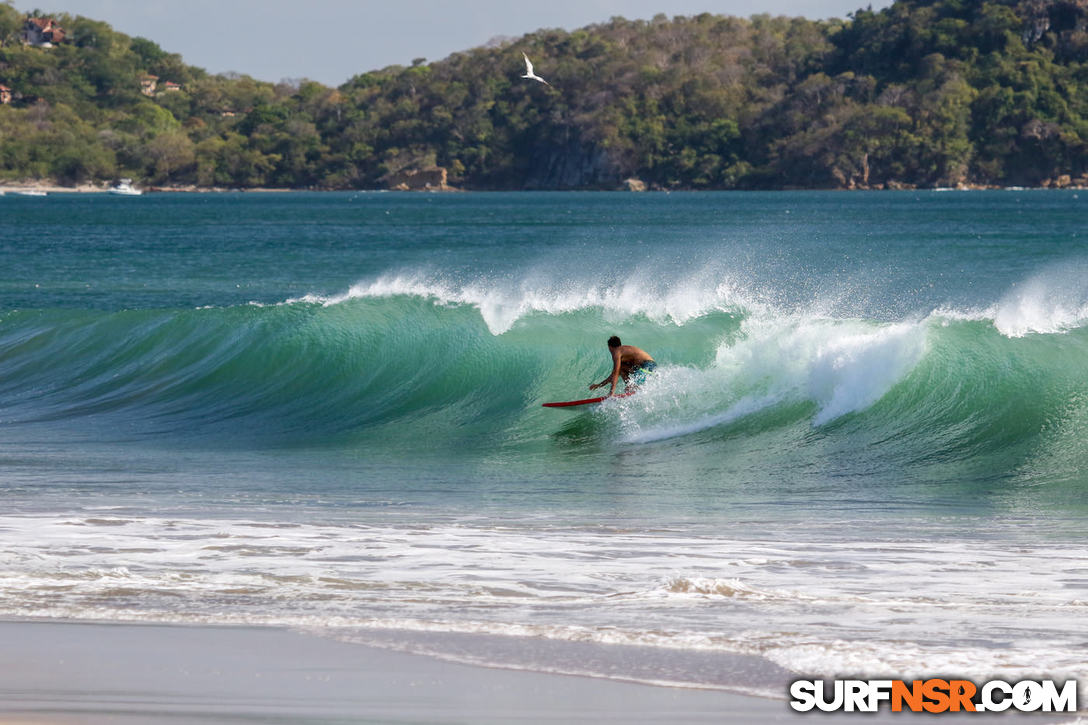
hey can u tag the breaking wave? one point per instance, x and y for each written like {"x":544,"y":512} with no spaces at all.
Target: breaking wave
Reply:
{"x":470,"y":364}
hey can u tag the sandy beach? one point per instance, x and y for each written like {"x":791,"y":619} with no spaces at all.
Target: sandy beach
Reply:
{"x":72,"y":672}
{"x":46,"y":187}
{"x":99,"y":673}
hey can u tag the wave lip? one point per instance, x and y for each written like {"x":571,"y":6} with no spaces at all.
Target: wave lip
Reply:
{"x":502,"y":303}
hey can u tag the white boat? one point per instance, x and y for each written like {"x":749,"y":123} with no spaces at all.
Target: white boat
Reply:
{"x":29,"y":192}
{"x":124,"y":188}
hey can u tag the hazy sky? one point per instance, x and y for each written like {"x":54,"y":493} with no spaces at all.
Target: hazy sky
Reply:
{"x":332,"y":40}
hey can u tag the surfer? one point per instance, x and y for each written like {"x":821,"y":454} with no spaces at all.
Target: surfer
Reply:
{"x":627,"y":361}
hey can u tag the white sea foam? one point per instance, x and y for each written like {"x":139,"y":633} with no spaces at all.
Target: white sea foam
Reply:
{"x":639,"y":431}
{"x":852,"y":371}
{"x":843,"y":366}
{"x":809,"y":605}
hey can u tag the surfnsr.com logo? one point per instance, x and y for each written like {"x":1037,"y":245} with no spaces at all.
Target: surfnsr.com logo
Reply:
{"x":933,"y":696}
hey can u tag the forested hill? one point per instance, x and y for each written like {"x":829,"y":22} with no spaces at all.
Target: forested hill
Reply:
{"x":924,"y":93}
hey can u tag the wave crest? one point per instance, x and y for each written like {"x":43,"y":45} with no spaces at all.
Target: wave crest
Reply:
{"x":503,"y":304}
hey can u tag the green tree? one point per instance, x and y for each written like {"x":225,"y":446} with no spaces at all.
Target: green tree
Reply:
{"x":170,"y":153}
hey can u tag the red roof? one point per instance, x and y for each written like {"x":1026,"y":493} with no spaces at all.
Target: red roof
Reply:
{"x":4,"y":88}
{"x":43,"y":23}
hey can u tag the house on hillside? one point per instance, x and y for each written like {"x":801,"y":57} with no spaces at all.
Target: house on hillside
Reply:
{"x":42,"y":32}
{"x":171,"y":86}
{"x":148,"y":84}
{"x":5,"y":95}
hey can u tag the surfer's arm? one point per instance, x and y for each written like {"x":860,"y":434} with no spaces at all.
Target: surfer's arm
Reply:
{"x":613,"y":377}
{"x":607,"y":378}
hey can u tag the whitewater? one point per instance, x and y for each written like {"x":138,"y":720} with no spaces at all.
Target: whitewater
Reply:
{"x":862,"y":454}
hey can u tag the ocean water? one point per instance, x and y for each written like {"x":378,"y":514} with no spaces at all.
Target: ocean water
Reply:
{"x":863,"y":453}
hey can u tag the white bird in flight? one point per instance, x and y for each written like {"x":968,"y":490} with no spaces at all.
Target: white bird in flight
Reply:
{"x":529,"y":71}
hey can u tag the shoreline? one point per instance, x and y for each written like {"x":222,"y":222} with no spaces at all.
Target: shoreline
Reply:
{"x":67,"y":671}
{"x":92,"y":672}
{"x":52,"y":188}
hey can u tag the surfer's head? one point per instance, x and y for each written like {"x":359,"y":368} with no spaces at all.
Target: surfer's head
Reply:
{"x":614,"y":341}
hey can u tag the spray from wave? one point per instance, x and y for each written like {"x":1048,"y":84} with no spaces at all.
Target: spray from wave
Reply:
{"x":1051,"y":301}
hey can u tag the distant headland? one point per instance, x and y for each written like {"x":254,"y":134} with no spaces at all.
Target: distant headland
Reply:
{"x":922,"y":94}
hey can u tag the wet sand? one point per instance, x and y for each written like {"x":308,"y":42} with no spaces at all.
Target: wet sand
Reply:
{"x":71,"y":672}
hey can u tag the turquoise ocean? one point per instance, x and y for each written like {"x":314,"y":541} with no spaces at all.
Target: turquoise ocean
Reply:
{"x":864,"y":452}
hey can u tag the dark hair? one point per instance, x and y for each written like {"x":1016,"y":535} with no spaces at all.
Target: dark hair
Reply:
{"x":614,"y":341}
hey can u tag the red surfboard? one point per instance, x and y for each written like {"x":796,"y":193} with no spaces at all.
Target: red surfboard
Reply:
{"x":587,"y":401}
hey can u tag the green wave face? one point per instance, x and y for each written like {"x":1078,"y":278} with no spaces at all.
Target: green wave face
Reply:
{"x":943,"y":398}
